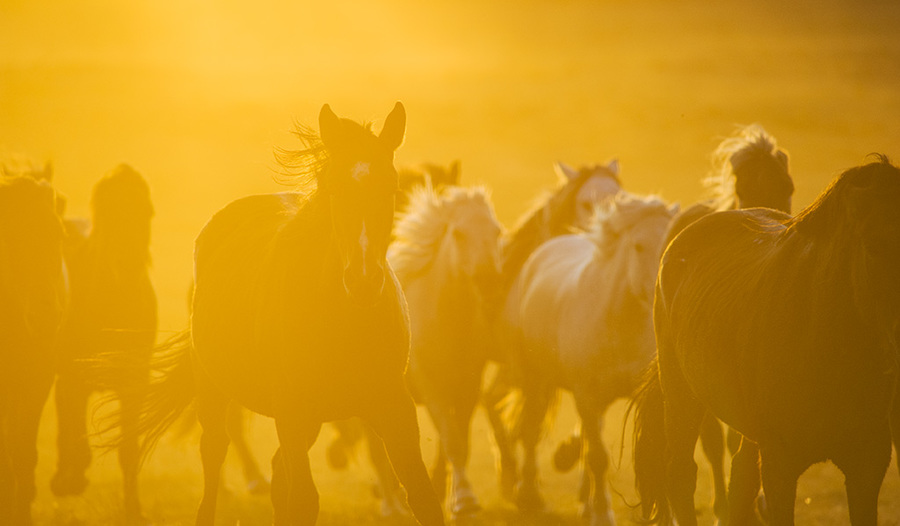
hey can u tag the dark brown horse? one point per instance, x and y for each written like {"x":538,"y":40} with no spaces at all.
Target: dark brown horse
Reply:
{"x":785,"y":329}
{"x":298,"y":316}
{"x":32,"y":303}
{"x":425,"y":175}
{"x":113,"y":309}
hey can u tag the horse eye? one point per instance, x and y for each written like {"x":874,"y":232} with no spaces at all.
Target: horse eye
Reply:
{"x":639,"y":248}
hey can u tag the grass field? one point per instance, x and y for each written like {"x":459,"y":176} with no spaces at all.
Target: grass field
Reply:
{"x":196,"y":94}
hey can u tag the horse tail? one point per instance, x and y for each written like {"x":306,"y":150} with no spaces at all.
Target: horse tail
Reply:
{"x":166,"y":391}
{"x":169,"y":393}
{"x":649,"y":447}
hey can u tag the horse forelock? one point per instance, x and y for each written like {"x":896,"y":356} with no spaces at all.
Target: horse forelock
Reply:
{"x":749,"y":144}
{"x":613,"y":223}
{"x":420,"y":231}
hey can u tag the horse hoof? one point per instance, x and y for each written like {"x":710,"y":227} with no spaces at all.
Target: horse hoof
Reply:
{"x":567,"y":455}
{"x":259,"y":486}
{"x":464,"y":505}
{"x":67,"y":483}
{"x":528,"y":499}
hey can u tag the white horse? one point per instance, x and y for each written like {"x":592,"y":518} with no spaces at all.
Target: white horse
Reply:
{"x":579,"y":319}
{"x":446,"y":255}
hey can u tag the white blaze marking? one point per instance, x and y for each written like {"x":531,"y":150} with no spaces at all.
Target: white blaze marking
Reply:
{"x":364,"y":246}
{"x":360,"y":170}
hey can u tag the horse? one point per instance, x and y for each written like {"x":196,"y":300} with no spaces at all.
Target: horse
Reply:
{"x":749,"y":170}
{"x":298,"y":316}
{"x":423,"y":175}
{"x":113,"y":309}
{"x":569,"y":206}
{"x":580,"y":319}
{"x":33,"y":300}
{"x":784,"y":328}
{"x":446,"y":254}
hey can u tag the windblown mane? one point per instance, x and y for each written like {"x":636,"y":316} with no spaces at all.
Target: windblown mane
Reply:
{"x":302,"y":168}
{"x":749,"y":142}
{"x":626,"y":211}
{"x":553,"y":214}
{"x":419,"y":232}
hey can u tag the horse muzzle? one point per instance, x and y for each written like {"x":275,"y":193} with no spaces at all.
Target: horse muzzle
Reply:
{"x":364,"y":284}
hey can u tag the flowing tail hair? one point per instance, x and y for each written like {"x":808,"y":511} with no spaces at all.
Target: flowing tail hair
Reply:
{"x":650,"y":447}
{"x":163,"y":397}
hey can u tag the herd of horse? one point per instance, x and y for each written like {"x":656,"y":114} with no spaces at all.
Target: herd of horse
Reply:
{"x":323,"y":304}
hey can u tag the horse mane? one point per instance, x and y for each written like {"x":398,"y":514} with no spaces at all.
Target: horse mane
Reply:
{"x":552,"y":214}
{"x":748,"y":143}
{"x":612,"y":222}
{"x":419,"y":232}
{"x":303,"y":168}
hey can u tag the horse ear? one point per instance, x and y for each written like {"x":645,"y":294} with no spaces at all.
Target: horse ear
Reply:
{"x":329,"y":126}
{"x":613,"y":166}
{"x":564,"y":171}
{"x":453,"y":174}
{"x":47,"y":173}
{"x":394,"y":127}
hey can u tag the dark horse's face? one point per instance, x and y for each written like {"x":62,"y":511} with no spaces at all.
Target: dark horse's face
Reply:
{"x":361,"y":185}
{"x":765,"y":181}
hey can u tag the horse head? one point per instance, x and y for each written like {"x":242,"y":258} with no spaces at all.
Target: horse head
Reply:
{"x":31,"y":236}
{"x":751,"y":171}
{"x":595,"y":184}
{"x":475,"y":235}
{"x":122,"y":212}
{"x":361,"y":184}
{"x":633,"y":230}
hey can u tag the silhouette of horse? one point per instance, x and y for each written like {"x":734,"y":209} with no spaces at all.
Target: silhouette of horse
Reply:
{"x":113,"y":309}
{"x":749,"y":170}
{"x":785,"y":329}
{"x":423,"y":175}
{"x":580,"y":319}
{"x":298,"y":316}
{"x":570,"y":206}
{"x":32,"y":304}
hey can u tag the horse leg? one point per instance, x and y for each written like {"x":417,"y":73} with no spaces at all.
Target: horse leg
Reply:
{"x":491,"y":398}
{"x":744,"y":485}
{"x":256,"y":482}
{"x":72,"y":443}
{"x":463,"y":501}
{"x":22,"y":430}
{"x":780,"y":472}
{"x":129,"y":455}
{"x":864,"y":465}
{"x":212,"y":409}
{"x":683,"y":417}
{"x":296,"y":491}
{"x":596,"y":459}
{"x":713,"y":442}
{"x":395,"y":421}
{"x":536,"y":400}
{"x":439,"y":475}
{"x":393,"y":501}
